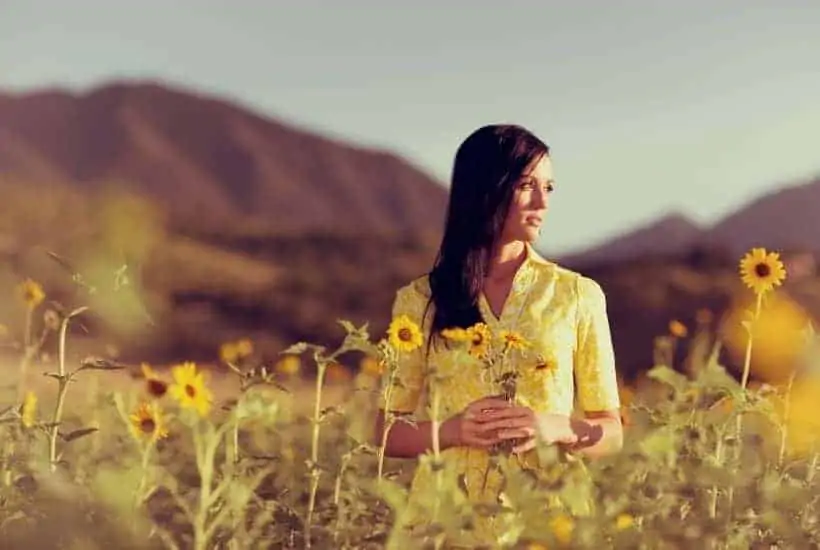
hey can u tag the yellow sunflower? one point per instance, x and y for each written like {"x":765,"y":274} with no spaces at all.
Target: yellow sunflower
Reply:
{"x":244,"y":347}
{"x":31,"y":293}
{"x":624,"y":521}
{"x":457,"y":334}
{"x":761,"y":270}
{"x":189,"y":388}
{"x":479,"y":340}
{"x":371,"y":366}
{"x":228,"y":352}
{"x":677,"y":329}
{"x":288,"y":365}
{"x":147,"y":423}
{"x":562,"y":526}
{"x":513,"y":340}
{"x":154,"y":385}
{"x":404,"y":335}
{"x":28,"y":410}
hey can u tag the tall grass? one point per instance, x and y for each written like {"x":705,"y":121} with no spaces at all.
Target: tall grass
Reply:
{"x":171,"y":461}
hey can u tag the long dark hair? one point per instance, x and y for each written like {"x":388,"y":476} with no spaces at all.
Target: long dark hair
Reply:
{"x":487,"y":166}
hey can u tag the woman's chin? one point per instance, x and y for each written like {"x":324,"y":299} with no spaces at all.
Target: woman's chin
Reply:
{"x":531,"y":234}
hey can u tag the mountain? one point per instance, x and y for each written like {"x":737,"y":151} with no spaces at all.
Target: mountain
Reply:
{"x":670,"y":233}
{"x":787,"y":219}
{"x":205,"y":157}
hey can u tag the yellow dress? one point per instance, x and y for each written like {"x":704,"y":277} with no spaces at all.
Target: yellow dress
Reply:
{"x":562,"y":314}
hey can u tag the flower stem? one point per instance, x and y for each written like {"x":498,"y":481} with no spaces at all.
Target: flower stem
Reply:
{"x":748,"y":359}
{"x":63,"y":380}
{"x":784,"y":431}
{"x":314,"y":450}
{"x":388,"y":422}
{"x":744,"y":382}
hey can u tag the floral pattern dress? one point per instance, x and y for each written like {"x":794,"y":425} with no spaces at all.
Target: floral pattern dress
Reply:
{"x":562,"y":314}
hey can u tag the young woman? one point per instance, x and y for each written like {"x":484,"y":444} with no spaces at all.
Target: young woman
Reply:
{"x":488,"y":272}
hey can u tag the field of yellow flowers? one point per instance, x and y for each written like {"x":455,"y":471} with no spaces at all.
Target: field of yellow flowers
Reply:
{"x":244,"y":454}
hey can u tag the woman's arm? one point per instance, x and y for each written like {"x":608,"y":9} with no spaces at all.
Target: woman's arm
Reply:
{"x":475,"y":426}
{"x":599,"y":434}
{"x":411,"y":440}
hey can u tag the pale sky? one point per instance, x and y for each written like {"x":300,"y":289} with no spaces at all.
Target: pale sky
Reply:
{"x":648,"y":106}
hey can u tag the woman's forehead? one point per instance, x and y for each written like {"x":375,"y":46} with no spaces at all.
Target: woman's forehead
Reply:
{"x":541,"y":169}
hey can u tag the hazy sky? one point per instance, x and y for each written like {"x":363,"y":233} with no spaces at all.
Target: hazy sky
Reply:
{"x":648,"y":106}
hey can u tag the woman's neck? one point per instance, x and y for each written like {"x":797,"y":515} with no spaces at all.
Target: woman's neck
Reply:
{"x":506,"y":259}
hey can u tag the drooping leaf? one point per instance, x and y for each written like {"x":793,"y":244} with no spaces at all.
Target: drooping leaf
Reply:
{"x":77,"y":434}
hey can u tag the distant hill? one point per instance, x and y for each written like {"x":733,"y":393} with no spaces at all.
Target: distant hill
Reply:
{"x":787,"y":219}
{"x":672,"y":232}
{"x":208,"y":158}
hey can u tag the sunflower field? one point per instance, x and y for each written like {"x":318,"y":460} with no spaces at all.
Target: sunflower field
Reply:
{"x":245,"y":454}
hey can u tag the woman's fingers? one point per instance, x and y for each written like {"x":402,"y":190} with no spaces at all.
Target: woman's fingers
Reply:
{"x":514,"y":423}
{"x":528,"y":445}
{"x":527,"y":431}
{"x":508,"y":412}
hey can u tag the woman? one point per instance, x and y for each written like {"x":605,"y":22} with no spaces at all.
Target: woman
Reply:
{"x":487,"y":272}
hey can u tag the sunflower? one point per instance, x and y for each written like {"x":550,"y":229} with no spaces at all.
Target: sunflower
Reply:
{"x":371,"y":366}
{"x":479,"y":340}
{"x":189,"y":388}
{"x":233,"y":352}
{"x":624,"y":521}
{"x":148,"y":423}
{"x":677,"y":329}
{"x":457,"y":334}
{"x":513,"y":340}
{"x":28,"y":410}
{"x":244,"y":347}
{"x":404,"y":334}
{"x":288,"y":365}
{"x":228,"y":352}
{"x":562,"y":527}
{"x":154,"y":385}
{"x":31,"y":293}
{"x":761,"y":270}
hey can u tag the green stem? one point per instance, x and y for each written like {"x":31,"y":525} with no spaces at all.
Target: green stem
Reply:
{"x":204,"y":465}
{"x":812,"y":467}
{"x":784,"y":431}
{"x":314,"y":450}
{"x":388,"y":422}
{"x":715,"y":489}
{"x":748,"y":359}
{"x":63,"y":380}
{"x":436,"y":443}
{"x":744,"y":382}
{"x":28,"y":355}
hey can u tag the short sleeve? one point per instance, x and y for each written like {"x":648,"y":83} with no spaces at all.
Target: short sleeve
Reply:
{"x":595,"y":375}
{"x":408,"y":381}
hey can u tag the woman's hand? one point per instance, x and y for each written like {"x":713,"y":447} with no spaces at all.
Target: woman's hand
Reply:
{"x":517,"y":422}
{"x":473,"y":426}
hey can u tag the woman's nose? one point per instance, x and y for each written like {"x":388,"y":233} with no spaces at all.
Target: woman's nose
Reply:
{"x":539,"y":199}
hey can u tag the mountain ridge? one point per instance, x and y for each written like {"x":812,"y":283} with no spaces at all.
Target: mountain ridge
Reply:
{"x":197,"y":153}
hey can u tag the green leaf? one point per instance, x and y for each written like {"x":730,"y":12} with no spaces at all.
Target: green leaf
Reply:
{"x":669,"y":376}
{"x":296,"y":349}
{"x":78,"y":311}
{"x":77,"y":434}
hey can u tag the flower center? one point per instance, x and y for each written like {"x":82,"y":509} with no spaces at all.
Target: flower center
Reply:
{"x":147,"y":425}
{"x":405,"y":335}
{"x":190,"y":391}
{"x":157,"y":388}
{"x":762,"y":270}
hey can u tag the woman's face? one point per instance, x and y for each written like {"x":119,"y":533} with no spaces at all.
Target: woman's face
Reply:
{"x":529,"y":203}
